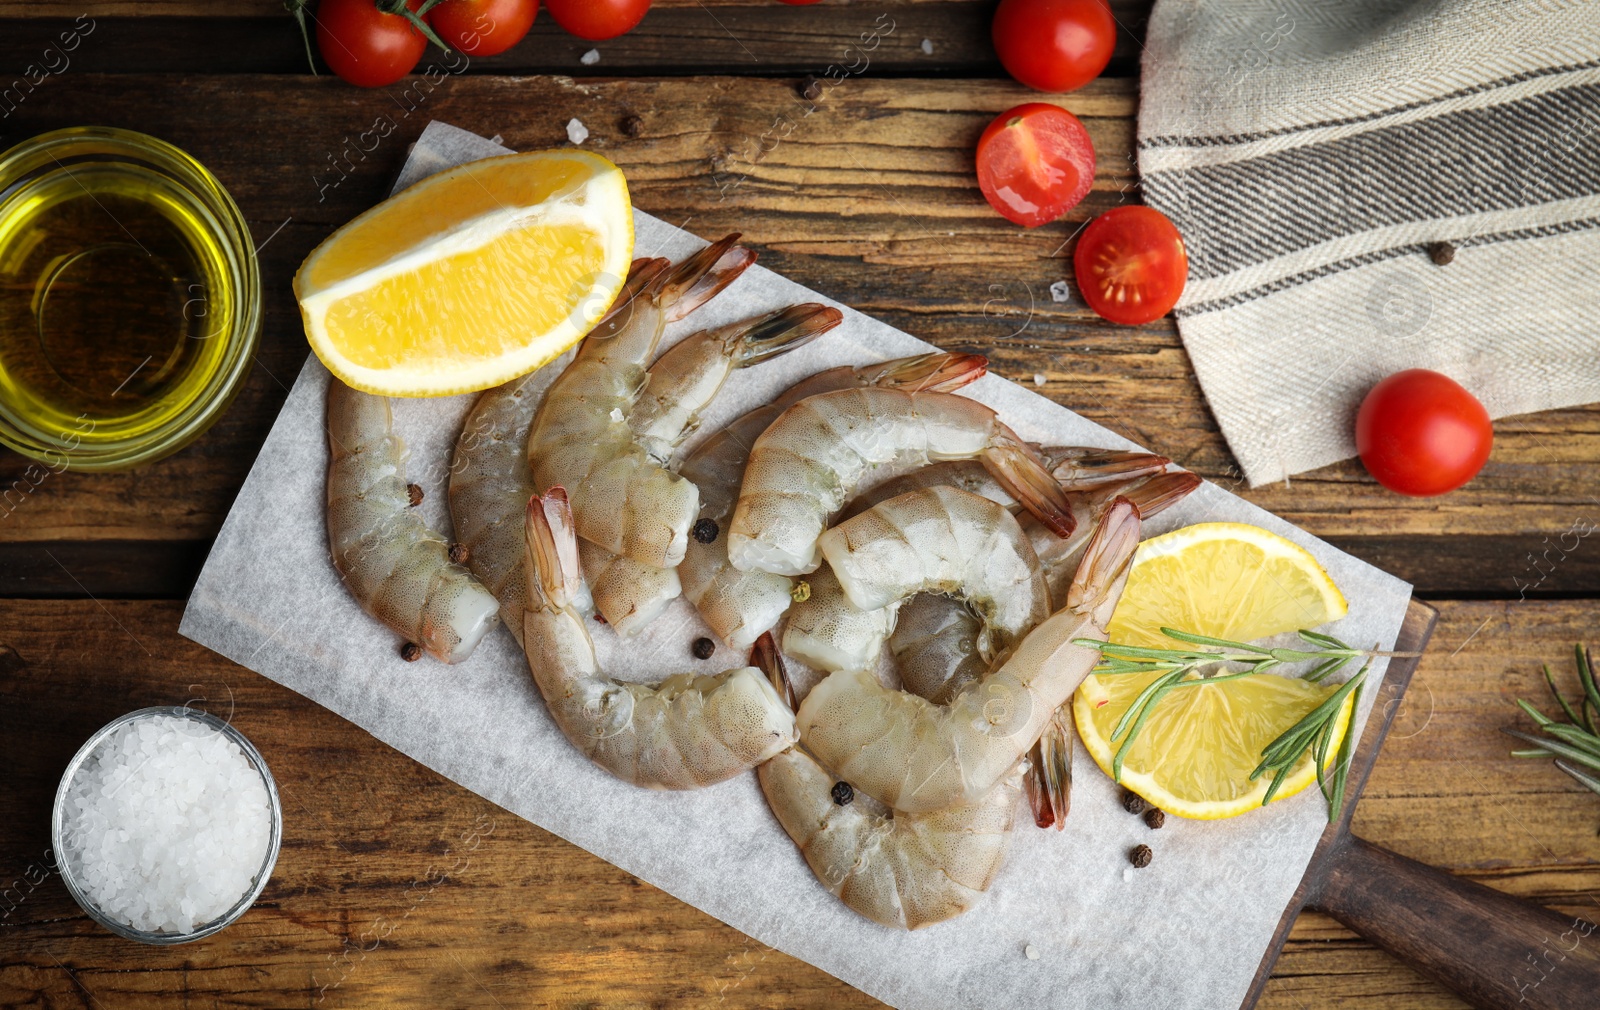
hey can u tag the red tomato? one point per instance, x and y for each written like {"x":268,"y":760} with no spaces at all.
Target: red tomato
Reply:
{"x":1421,"y":434}
{"x":1054,"y":45}
{"x":1131,"y":265}
{"x":364,"y":45}
{"x":597,"y":19}
{"x":483,"y":27}
{"x":1035,"y":163}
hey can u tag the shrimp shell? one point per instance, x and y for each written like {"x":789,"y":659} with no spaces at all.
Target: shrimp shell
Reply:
{"x":397,"y":568}
{"x":916,"y":756}
{"x":626,"y":501}
{"x":816,"y":455}
{"x":897,"y":869}
{"x":738,"y":605}
{"x":686,"y":732}
{"x":938,"y":539}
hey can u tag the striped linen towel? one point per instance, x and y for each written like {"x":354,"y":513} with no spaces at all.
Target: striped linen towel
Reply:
{"x":1313,"y":153}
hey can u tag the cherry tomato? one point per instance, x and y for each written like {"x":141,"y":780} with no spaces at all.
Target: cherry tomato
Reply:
{"x":1131,"y":265}
{"x":483,"y":27}
{"x":1421,"y":434}
{"x":1035,"y":163}
{"x":597,"y":19}
{"x":364,"y":45}
{"x":1054,"y":45}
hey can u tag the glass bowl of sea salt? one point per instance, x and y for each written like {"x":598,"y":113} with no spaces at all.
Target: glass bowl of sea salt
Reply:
{"x":166,"y":825}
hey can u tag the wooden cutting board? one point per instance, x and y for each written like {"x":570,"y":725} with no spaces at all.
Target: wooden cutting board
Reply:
{"x":1496,"y":951}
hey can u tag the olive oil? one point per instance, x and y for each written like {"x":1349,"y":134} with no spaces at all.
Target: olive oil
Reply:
{"x":116,"y":303}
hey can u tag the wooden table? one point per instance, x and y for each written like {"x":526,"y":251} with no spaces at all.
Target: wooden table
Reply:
{"x":871,"y":198}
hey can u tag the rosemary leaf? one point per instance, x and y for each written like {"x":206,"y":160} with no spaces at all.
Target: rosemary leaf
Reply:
{"x":1193,"y":639}
{"x":1588,"y":780}
{"x":1563,"y":750}
{"x":1551,"y":680}
{"x":1532,"y":752}
{"x":1586,"y":677}
{"x":1538,"y":716}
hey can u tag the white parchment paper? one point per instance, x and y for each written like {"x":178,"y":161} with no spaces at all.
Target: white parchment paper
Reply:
{"x":1186,"y":932}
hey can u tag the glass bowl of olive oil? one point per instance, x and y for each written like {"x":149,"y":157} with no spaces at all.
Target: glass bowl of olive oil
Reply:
{"x":130,"y":298}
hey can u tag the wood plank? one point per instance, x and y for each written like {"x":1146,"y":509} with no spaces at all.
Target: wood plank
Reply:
{"x":871,"y":199}
{"x":760,"y":38}
{"x":526,"y":919}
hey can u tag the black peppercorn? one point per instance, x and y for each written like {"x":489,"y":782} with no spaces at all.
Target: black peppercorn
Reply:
{"x":811,"y":90}
{"x":1140,"y":856}
{"x":1133,"y":803}
{"x":703,"y":648}
{"x":632,"y":126}
{"x":706,"y":530}
{"x":415,"y":493}
{"x":1155,"y":817}
{"x":1441,"y":253}
{"x":411,"y":652}
{"x":459,"y":554}
{"x":843,"y":794}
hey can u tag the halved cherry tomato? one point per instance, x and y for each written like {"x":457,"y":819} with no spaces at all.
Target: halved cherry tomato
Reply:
{"x":1054,"y":45}
{"x":364,"y":45}
{"x":597,"y":19}
{"x":1131,"y":265}
{"x":1035,"y":163}
{"x":1421,"y":434}
{"x":483,"y":27}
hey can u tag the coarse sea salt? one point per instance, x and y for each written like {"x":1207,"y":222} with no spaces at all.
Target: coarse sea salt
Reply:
{"x":167,"y":824}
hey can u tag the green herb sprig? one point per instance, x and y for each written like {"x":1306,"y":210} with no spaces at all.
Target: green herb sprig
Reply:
{"x":1575,"y":740}
{"x":1181,"y":668}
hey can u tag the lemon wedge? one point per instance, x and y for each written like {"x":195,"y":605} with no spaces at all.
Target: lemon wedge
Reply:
{"x":1194,"y":756}
{"x":472,"y":277}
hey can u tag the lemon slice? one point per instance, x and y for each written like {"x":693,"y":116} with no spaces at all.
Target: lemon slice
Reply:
{"x":471,"y":277}
{"x":1194,"y":756}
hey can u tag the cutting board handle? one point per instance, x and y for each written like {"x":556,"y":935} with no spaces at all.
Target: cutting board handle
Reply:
{"x":1499,"y":952}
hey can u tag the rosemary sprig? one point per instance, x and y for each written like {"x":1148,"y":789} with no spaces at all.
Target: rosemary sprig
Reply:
{"x":1576,"y":739}
{"x":1207,"y":664}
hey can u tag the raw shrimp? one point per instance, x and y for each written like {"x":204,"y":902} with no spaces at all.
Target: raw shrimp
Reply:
{"x":939,"y":539}
{"x":683,"y":381}
{"x":897,"y":869}
{"x":685,"y":732}
{"x":814,"y":457}
{"x":739,"y":606}
{"x":916,"y":756}
{"x":397,"y":568}
{"x":934,"y":642}
{"x":1075,"y":468}
{"x":624,"y":500}
{"x":490,"y":483}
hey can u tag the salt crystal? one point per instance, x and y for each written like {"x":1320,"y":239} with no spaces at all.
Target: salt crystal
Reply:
{"x":1059,"y":292}
{"x":166,"y":838}
{"x":577,"y":132}
{"x":589,"y":59}
{"x":927,"y":46}
{"x":1032,"y":952}
{"x":1039,"y":379}
{"x":1127,"y":874}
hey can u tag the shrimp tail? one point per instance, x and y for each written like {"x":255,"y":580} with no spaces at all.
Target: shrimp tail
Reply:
{"x":1049,"y":778}
{"x":782,"y":331}
{"x":933,"y":372}
{"x":1079,"y":470}
{"x":703,"y":276}
{"x":768,"y":658}
{"x":1106,"y":559}
{"x":555,"y":576}
{"x":1020,"y":470}
{"x":1158,"y":492}
{"x":643,"y":274}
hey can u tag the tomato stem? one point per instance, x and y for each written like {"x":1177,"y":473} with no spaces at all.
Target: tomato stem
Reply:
{"x":298,"y":9}
{"x":401,"y":8}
